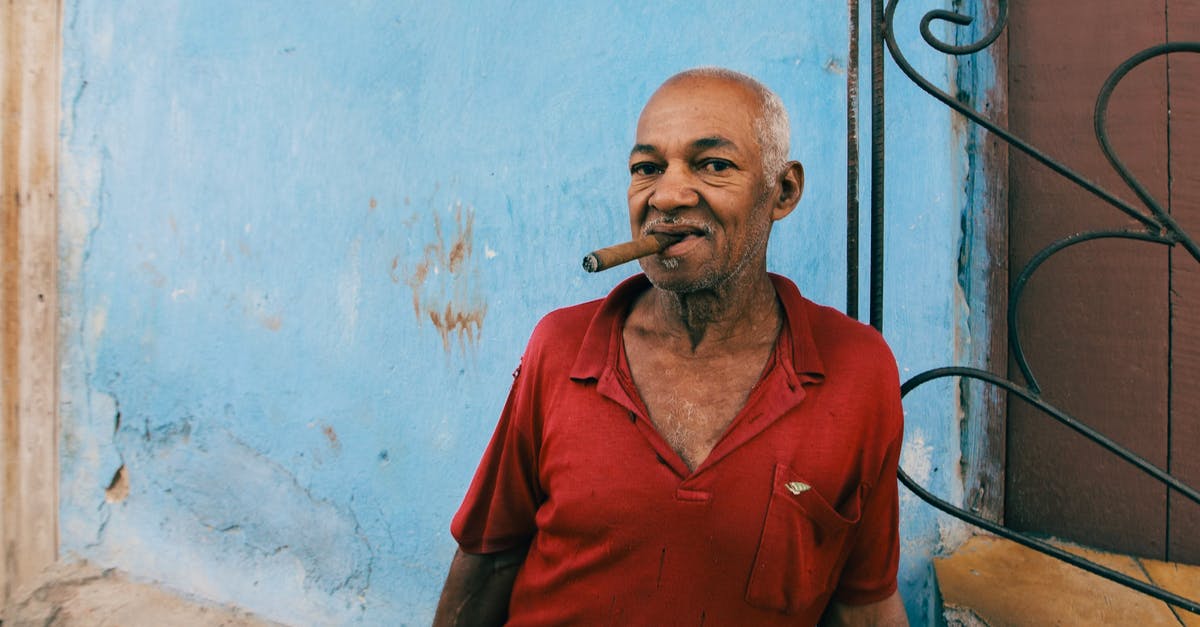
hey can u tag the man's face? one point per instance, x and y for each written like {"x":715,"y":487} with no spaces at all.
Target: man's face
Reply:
{"x":696,"y":169}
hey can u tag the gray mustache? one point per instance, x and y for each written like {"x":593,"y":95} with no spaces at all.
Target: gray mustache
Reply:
{"x":704,"y":227}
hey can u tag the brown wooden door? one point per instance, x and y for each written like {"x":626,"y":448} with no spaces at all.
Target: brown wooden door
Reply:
{"x":1111,"y":328}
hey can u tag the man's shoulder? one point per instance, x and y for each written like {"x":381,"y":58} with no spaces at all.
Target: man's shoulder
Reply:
{"x":858,"y":361}
{"x":575,"y":321}
{"x":566,"y":323}
{"x":558,"y":337}
{"x":831,"y":324}
{"x":841,"y":339}
{"x":827,"y":326}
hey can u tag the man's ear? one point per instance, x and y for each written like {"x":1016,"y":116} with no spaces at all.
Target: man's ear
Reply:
{"x":791,"y":187}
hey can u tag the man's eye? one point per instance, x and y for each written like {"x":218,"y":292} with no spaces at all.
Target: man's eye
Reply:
{"x":644,"y":169}
{"x":716,"y":165}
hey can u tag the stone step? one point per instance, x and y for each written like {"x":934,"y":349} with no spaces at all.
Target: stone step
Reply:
{"x":995,"y":582}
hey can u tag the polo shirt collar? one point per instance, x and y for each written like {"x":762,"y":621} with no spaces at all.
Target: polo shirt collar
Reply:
{"x":599,"y":348}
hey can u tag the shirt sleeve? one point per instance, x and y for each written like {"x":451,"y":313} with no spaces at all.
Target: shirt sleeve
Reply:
{"x":498,"y":512}
{"x":869,"y":575}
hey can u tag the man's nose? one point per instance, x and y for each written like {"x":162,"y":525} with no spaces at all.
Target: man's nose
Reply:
{"x":674,"y":190}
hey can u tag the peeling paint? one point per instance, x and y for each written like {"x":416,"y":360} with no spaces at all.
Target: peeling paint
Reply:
{"x":187,"y":291}
{"x":916,"y":458}
{"x":952,"y":533}
{"x":118,"y":488}
{"x":229,"y":487}
{"x":979,"y":296}
{"x":97,"y":320}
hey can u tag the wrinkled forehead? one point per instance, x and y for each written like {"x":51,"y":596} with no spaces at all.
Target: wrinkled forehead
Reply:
{"x":700,"y":106}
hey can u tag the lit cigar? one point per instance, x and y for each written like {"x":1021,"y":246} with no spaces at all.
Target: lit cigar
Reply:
{"x":606,"y":258}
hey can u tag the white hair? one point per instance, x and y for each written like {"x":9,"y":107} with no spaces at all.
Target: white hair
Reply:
{"x":771,"y":126}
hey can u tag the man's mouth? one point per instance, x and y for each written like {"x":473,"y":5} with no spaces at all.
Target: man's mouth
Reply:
{"x":687,"y":236}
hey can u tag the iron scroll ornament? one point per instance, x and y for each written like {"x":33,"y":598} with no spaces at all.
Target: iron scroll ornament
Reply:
{"x":1158,"y":228}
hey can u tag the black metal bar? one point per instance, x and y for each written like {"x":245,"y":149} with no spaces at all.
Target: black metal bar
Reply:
{"x":1033,"y":398}
{"x":877,"y":153}
{"x":1034,"y":543}
{"x":971,"y":114}
{"x":852,"y":208}
{"x":1018,"y":288}
{"x":1160,"y":228}
{"x":1101,"y":116}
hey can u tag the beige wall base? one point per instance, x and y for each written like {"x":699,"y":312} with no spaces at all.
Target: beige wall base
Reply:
{"x":992,"y":582}
{"x":80,"y":595}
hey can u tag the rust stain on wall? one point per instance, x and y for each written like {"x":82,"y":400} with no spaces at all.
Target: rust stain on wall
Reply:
{"x":466,"y":325}
{"x":392,"y":272}
{"x":416,"y":281}
{"x":332,"y":436}
{"x":272,"y":322}
{"x":445,"y":282}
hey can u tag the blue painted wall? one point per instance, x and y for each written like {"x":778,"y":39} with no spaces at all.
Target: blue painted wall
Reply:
{"x":303,"y":245}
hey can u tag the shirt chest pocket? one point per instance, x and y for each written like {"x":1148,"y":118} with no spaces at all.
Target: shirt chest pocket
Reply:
{"x":802,"y":544}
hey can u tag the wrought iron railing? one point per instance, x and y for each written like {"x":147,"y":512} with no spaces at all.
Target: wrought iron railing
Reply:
{"x":1157,"y":226}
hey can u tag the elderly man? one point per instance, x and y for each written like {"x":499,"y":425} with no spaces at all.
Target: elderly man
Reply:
{"x":704,"y":446}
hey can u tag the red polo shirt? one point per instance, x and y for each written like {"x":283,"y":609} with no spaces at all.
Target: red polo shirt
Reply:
{"x":795,"y":505}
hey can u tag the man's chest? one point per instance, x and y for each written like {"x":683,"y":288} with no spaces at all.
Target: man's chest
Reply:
{"x":692,"y":413}
{"x":613,"y":484}
{"x":600,"y":448}
{"x":691,"y":402}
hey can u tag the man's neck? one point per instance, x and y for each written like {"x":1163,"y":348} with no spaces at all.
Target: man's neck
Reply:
{"x":704,"y":320}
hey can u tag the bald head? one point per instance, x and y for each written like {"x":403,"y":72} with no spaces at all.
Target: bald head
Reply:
{"x":770,"y":121}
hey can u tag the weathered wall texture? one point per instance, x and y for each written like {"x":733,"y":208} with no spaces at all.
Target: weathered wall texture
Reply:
{"x":29,"y":82}
{"x":303,"y":245}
